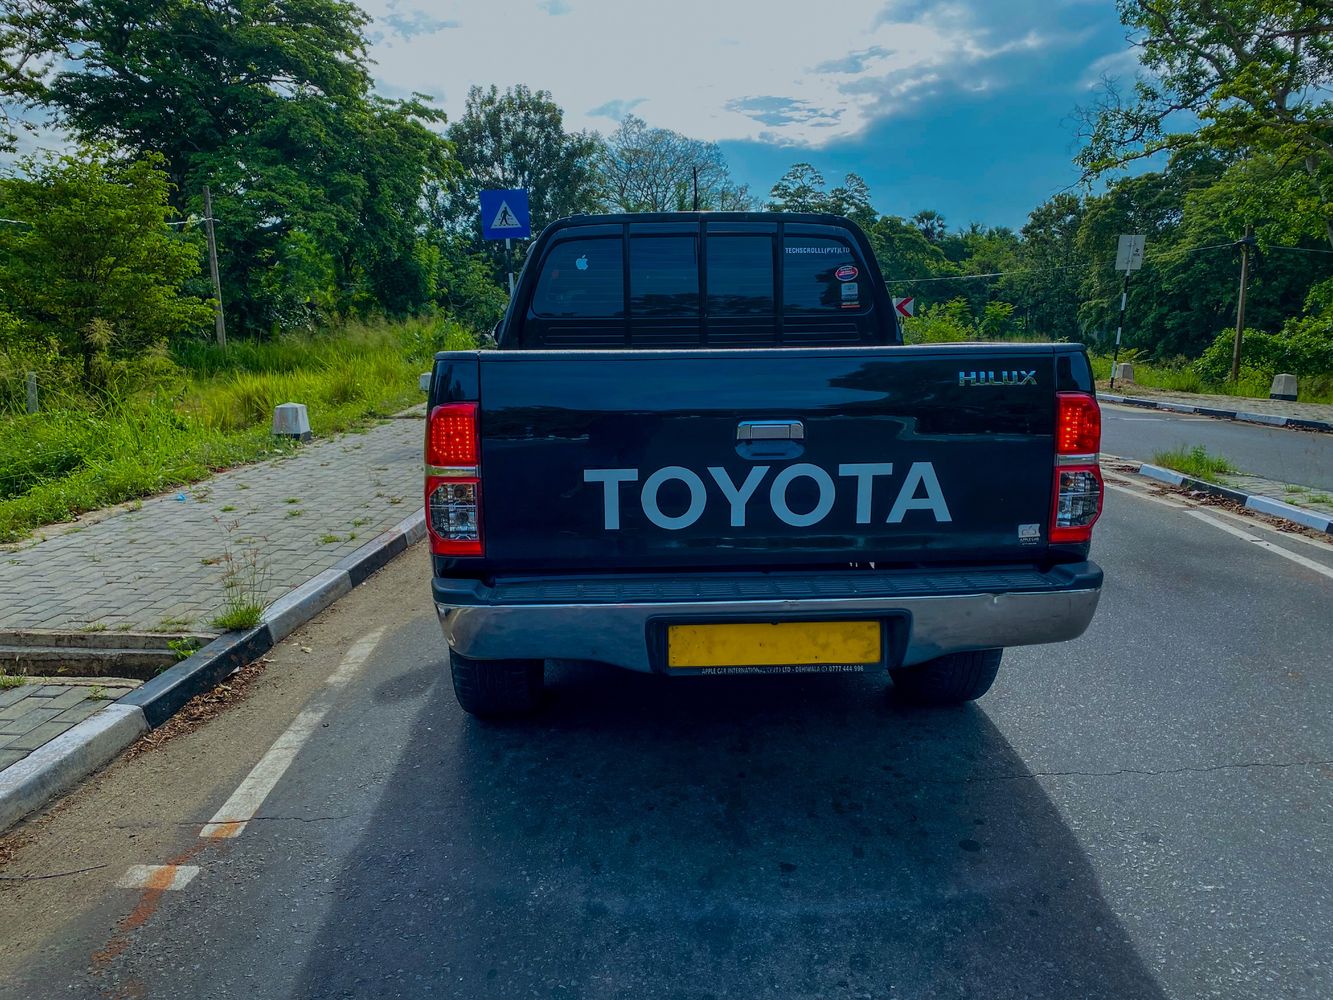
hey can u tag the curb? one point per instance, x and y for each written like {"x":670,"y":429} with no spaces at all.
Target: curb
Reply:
{"x":1254,"y":501}
{"x":69,"y":758}
{"x":1207,"y":411}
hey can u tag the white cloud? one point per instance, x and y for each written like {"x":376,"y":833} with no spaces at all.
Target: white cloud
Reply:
{"x":715,"y":69}
{"x":1116,"y":65}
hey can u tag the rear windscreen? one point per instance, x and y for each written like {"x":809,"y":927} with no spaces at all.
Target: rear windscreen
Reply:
{"x":678,"y":290}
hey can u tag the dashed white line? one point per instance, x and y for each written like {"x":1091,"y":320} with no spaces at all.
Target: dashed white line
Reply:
{"x":237,"y":811}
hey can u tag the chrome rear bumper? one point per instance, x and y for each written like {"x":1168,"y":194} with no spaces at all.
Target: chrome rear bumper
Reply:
{"x":608,"y":619}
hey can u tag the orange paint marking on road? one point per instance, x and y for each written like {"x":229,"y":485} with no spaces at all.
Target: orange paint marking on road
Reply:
{"x":144,"y":909}
{"x":223,"y":831}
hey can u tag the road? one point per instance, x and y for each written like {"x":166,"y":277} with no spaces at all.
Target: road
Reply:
{"x":1301,"y":457}
{"x":1142,"y":813}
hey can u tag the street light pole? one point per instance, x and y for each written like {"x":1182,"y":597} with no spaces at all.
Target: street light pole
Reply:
{"x":219,"y":323}
{"x":1245,"y":243}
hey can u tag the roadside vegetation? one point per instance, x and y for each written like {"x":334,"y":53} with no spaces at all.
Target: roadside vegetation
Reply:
{"x":1196,"y":462}
{"x":176,"y":416}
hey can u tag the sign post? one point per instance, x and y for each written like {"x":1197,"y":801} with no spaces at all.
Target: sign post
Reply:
{"x":504,"y":216}
{"x":1128,"y":257}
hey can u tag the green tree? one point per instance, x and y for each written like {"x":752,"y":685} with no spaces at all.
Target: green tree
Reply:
{"x":517,"y":139}
{"x":317,"y":183}
{"x":1047,"y":286}
{"x":800,"y":189}
{"x":1253,"y":73}
{"x":96,"y":268}
{"x":26,"y":52}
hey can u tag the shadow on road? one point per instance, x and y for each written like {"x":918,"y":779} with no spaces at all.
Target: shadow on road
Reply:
{"x":747,"y":837}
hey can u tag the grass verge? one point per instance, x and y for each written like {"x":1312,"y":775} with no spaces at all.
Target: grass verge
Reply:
{"x":201,"y":410}
{"x":1183,"y":378}
{"x":1196,"y":462}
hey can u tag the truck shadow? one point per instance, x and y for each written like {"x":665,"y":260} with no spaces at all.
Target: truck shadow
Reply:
{"x":789,"y":837}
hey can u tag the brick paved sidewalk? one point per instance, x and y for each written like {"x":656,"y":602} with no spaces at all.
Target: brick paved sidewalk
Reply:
{"x":1271,"y":407}
{"x":37,"y":713}
{"x":160,"y":567}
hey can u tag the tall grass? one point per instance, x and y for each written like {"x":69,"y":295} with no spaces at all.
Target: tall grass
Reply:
{"x":1182,"y":377}
{"x":202,"y":411}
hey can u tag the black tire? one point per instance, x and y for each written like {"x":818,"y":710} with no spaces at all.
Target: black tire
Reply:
{"x":949,"y":680}
{"x":491,"y":689}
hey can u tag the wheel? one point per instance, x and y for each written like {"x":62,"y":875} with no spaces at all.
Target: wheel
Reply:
{"x":949,"y":680}
{"x":495,"y":688}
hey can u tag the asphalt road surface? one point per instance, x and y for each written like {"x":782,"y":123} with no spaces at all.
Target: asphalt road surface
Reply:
{"x":1142,"y":813}
{"x":1301,"y":457}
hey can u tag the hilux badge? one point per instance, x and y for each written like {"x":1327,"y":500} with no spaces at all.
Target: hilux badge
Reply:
{"x":998,"y":378}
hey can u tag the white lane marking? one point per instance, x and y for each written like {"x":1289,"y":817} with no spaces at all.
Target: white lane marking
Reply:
{"x":1295,"y":557}
{"x":237,"y":811}
{"x":158,"y":877}
{"x":1286,"y":536}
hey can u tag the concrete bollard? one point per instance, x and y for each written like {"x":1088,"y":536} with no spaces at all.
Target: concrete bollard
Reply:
{"x":424,"y":381}
{"x":1124,"y":372}
{"x":32,"y":392}
{"x":290,"y":420}
{"x":1284,"y":387}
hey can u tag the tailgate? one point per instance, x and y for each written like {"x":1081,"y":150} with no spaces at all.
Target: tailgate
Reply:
{"x":766,"y":458}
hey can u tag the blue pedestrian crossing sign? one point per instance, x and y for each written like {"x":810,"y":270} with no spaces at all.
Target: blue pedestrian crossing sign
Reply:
{"x":504,"y":215}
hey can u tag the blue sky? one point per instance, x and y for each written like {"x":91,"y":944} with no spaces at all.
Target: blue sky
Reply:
{"x":964,"y":107}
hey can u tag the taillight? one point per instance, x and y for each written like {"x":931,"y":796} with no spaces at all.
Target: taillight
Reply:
{"x":1076,"y":502}
{"x":453,"y":480}
{"x":451,"y":435}
{"x":1078,"y":424}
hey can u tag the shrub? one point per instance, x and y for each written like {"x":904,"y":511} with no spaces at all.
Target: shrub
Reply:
{"x":1303,"y":347}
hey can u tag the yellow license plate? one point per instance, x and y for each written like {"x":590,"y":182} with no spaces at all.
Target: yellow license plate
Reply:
{"x":773,"y":644}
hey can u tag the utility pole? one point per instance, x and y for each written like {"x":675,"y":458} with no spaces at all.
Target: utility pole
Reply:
{"x":219,"y":323}
{"x":1245,"y":243}
{"x":696,"y":188}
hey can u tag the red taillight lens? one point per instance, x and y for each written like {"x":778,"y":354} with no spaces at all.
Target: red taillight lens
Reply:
{"x":453,"y":481}
{"x":451,"y":435}
{"x":1077,"y":502}
{"x":1078,"y":424}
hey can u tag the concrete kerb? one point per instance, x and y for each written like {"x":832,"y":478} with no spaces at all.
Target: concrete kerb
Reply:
{"x":1252,"y":501}
{"x":1268,"y":419}
{"x":59,"y":765}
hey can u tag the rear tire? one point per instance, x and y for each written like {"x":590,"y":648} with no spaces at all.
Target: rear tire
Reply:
{"x":949,"y":680}
{"x":492,"y":689}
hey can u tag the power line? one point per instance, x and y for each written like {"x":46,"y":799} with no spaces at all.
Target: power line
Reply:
{"x":1162,"y":255}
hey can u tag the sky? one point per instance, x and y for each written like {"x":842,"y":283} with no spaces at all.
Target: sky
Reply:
{"x":962,"y":107}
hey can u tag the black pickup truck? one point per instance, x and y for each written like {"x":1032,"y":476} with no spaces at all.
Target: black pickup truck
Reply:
{"x":702,"y":448}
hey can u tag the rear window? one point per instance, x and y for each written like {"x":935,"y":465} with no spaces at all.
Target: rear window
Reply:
{"x":664,"y":276}
{"x":820,"y":276}
{"x":740,"y":276}
{"x":582,"y":278}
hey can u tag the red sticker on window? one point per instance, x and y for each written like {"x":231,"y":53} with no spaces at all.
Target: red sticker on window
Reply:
{"x":846,"y":273}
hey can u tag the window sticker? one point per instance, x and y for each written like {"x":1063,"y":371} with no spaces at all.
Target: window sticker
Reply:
{"x":846,"y":273}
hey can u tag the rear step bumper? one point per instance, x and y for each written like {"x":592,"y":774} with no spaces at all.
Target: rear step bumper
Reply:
{"x":608,"y":619}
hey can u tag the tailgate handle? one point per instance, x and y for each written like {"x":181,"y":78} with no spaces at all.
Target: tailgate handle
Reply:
{"x":770,"y":430}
